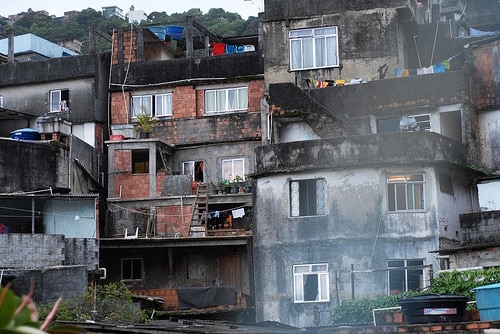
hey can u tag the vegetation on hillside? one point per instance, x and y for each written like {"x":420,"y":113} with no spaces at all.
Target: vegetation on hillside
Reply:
{"x":77,"y":25}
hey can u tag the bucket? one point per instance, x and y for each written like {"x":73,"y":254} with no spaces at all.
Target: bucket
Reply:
{"x":158,"y":31}
{"x":174,"y":31}
{"x":488,"y":301}
{"x":433,"y":308}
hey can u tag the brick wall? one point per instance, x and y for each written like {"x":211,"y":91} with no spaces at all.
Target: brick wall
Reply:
{"x":131,"y":185}
{"x":173,"y":219}
{"x":128,"y":185}
{"x":189,"y":124}
{"x":129,"y":47}
{"x":119,"y":107}
{"x":184,"y":102}
{"x":487,"y":76}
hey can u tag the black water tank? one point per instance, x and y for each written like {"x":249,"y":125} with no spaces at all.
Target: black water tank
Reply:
{"x":433,"y":308}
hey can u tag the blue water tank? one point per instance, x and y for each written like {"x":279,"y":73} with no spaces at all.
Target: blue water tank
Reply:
{"x":158,"y":31}
{"x":174,"y":31}
{"x":25,"y":134}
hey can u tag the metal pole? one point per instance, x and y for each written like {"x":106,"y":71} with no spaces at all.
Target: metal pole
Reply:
{"x":352,"y":281}
{"x":33,"y":215}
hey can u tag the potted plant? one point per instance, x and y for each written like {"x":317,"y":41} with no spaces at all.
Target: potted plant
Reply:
{"x":215,"y":187}
{"x":224,"y":185}
{"x":239,"y":182}
{"x":248,"y":185}
{"x":145,"y":124}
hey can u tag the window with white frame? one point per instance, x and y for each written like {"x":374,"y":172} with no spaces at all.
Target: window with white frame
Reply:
{"x":406,"y":192}
{"x":307,"y":197}
{"x":311,"y":283}
{"x":314,"y":48}
{"x":163,"y":105}
{"x":59,"y":100}
{"x":413,"y":123}
{"x":132,"y":269}
{"x":232,"y":168}
{"x":142,"y":104}
{"x":405,"y":275}
{"x":226,"y":99}
{"x":196,"y":169}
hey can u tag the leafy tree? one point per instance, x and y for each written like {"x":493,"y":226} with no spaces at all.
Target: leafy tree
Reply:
{"x":77,"y":26}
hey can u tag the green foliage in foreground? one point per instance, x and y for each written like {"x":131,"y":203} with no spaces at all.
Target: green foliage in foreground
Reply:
{"x":19,"y":315}
{"x":113,"y":304}
{"x":461,"y":283}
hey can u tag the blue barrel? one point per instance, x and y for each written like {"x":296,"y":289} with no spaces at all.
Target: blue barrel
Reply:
{"x":488,"y":301}
{"x":25,"y":134}
{"x":174,"y":31}
{"x":158,"y":31}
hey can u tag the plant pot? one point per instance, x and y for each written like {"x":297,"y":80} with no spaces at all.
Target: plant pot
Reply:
{"x":248,"y":189}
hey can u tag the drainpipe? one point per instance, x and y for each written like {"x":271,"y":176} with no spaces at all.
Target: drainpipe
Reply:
{"x":10,"y":57}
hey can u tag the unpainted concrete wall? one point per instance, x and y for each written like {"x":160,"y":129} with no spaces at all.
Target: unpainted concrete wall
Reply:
{"x":25,"y":86}
{"x":27,"y":166}
{"x":368,"y":38}
{"x":31,"y":250}
{"x":51,"y":283}
{"x":356,"y":229}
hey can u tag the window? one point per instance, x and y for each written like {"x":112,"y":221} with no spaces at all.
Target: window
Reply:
{"x":224,"y":100}
{"x":406,"y":192}
{"x":410,"y":123}
{"x":1,"y":101}
{"x":414,"y":123}
{"x":307,"y":197}
{"x":163,"y":105}
{"x":194,"y":168}
{"x":311,"y":283}
{"x":232,"y":168}
{"x":132,"y":269}
{"x":142,"y":104}
{"x":314,"y":48}
{"x":388,"y":125}
{"x":140,"y":161}
{"x":406,"y":278}
{"x":59,"y":100}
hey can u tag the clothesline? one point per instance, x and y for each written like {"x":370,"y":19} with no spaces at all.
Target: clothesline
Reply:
{"x":437,"y":68}
{"x":179,"y":215}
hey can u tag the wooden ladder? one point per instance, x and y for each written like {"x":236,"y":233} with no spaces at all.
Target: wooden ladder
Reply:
{"x":198,"y":226}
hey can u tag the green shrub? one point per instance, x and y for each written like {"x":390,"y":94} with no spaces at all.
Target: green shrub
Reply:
{"x":461,"y":283}
{"x":359,"y":311}
{"x":113,"y":304}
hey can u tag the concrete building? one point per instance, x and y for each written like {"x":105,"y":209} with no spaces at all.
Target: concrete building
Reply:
{"x":53,"y":122}
{"x":365,"y":167}
{"x":30,"y":47}
{"x":167,"y":234}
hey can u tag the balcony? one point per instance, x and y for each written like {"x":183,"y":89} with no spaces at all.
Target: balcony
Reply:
{"x":359,"y":151}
